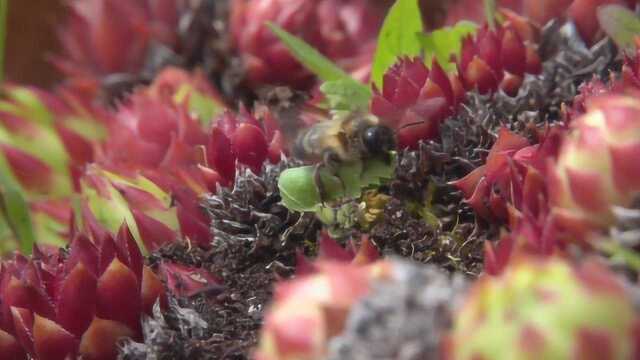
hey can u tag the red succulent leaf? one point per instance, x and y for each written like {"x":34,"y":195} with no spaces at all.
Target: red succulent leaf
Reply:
{"x":76,"y":300}
{"x":23,"y":325}
{"x":118,"y":296}
{"x":154,"y":233}
{"x":20,"y":293}
{"x":220,"y":154}
{"x":30,"y":171}
{"x":152,"y":291}
{"x":100,"y":340}
{"x":128,"y":251}
{"x":329,"y":249}
{"x":52,"y":342}
{"x":513,"y":52}
{"x":185,"y":281}
{"x":250,"y":146}
{"x":10,"y":348}
{"x":84,"y":252}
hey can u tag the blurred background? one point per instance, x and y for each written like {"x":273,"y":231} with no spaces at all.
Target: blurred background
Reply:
{"x":31,"y":36}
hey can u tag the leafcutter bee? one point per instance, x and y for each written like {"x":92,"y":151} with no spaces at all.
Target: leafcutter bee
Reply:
{"x":341,"y":139}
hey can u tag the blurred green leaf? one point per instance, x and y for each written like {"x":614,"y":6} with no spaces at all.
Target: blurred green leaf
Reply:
{"x":311,"y":58}
{"x":300,"y":192}
{"x":112,"y":210}
{"x":15,"y":208}
{"x":206,"y":107}
{"x":620,"y":24}
{"x":490,"y":10}
{"x":398,"y":37}
{"x":346,"y":95}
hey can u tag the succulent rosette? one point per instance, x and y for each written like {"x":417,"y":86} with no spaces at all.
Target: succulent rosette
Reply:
{"x":308,"y":311}
{"x":594,"y":171}
{"x":344,"y":31}
{"x":46,"y":141}
{"x":48,"y":138}
{"x":414,"y":100}
{"x":498,"y":59}
{"x":582,"y":12}
{"x":242,"y":139}
{"x":105,"y":37}
{"x":546,"y":308}
{"x":511,"y":179}
{"x":80,"y":304}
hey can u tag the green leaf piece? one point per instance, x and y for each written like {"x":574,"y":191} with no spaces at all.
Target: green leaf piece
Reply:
{"x":300,"y":192}
{"x":346,"y":95}
{"x":207,"y":108}
{"x":446,"y":42}
{"x":15,"y":209}
{"x":112,"y":210}
{"x":620,"y":24}
{"x":342,"y":91}
{"x":311,"y":58}
{"x":397,"y":37}
{"x":490,"y":10}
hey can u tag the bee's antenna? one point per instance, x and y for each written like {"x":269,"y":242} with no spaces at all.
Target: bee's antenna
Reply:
{"x":313,"y":109}
{"x":429,"y":116}
{"x":409,"y":125}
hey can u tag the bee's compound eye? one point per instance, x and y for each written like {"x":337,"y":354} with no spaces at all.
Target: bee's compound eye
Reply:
{"x":378,"y":139}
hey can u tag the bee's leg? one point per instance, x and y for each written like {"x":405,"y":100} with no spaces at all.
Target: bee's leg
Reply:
{"x":330,"y":163}
{"x":317,"y":179}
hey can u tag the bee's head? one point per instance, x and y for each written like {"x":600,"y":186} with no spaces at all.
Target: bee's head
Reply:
{"x":378,"y":139}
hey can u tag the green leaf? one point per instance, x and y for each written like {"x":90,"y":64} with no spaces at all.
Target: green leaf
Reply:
{"x":206,"y":107}
{"x":620,"y":24}
{"x":397,"y":37}
{"x":299,"y":190}
{"x":15,"y":209}
{"x":620,"y":254}
{"x":342,"y":91}
{"x":446,"y":42}
{"x":311,"y":58}
{"x":112,"y":210}
{"x":490,"y":10}
{"x":346,"y":94}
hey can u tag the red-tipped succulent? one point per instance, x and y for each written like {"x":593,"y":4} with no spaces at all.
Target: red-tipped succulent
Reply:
{"x":415,"y":99}
{"x":546,"y":309}
{"x":103,"y":37}
{"x":498,"y":59}
{"x":187,"y":281}
{"x":80,"y":304}
{"x":329,"y":250}
{"x":345,"y":31}
{"x":48,"y":140}
{"x":510,"y":178}
{"x":595,"y":169}
{"x":241,"y":138}
{"x":582,"y":12}
{"x":308,"y":311}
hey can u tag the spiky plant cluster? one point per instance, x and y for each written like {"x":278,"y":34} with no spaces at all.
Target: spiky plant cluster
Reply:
{"x":152,"y":34}
{"x":58,"y":305}
{"x":404,"y":318}
{"x":172,"y":334}
{"x":250,"y":216}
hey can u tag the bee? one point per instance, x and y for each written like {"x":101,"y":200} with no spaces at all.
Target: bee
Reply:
{"x":343,"y":138}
